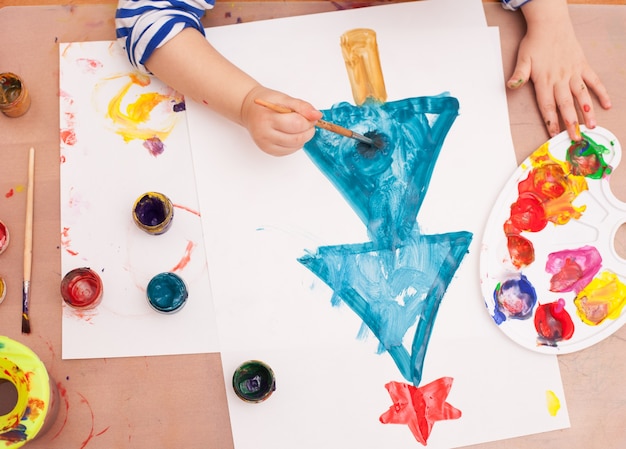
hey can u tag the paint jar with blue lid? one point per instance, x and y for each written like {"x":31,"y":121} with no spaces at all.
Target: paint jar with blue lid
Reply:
{"x":153,"y":213}
{"x":167,"y":293}
{"x":254,"y":381}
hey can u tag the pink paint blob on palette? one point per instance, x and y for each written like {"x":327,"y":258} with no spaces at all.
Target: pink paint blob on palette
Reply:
{"x":551,"y":277}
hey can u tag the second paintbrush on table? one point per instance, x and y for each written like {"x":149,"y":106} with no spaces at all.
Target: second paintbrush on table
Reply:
{"x":332,"y":127}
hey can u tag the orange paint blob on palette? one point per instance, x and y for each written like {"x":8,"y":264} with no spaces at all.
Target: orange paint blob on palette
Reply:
{"x":551,"y":277}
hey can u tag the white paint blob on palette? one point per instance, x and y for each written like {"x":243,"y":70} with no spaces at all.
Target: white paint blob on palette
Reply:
{"x":551,"y":277}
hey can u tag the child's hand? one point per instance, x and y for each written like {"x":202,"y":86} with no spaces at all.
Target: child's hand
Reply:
{"x":278,"y":134}
{"x":551,"y":56}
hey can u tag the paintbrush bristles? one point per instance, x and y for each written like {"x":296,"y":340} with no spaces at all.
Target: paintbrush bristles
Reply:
{"x":28,"y":242}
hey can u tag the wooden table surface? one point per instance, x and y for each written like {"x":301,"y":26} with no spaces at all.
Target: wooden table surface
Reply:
{"x":180,"y":401}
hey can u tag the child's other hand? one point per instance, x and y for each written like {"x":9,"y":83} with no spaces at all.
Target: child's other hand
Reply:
{"x":551,"y":56}
{"x":275,"y":133}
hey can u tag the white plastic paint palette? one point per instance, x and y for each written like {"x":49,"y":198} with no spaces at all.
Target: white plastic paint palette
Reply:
{"x":506,"y":282}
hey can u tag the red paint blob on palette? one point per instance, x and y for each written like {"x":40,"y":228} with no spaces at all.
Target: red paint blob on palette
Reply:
{"x":82,"y":288}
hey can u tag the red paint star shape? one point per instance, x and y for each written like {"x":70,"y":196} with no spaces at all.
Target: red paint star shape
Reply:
{"x":420,"y":407}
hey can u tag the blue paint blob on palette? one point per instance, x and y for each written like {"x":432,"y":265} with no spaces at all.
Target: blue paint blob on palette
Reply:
{"x":551,"y":277}
{"x":399,"y":278}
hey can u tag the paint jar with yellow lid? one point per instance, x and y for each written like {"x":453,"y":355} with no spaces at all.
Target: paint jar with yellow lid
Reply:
{"x":14,"y":96}
{"x":29,"y":399}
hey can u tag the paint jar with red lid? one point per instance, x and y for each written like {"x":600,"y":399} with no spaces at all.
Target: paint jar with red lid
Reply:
{"x":4,"y":237}
{"x":81,"y":288}
{"x":14,"y":96}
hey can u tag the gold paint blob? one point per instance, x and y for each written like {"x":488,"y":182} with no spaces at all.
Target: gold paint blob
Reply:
{"x":14,"y":96}
{"x":360,"y":54}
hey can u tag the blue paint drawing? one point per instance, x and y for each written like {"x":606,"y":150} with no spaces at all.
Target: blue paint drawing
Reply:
{"x":399,"y":278}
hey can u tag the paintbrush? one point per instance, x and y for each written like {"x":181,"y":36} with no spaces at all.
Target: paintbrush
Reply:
{"x":332,"y":127}
{"x":28,"y":242}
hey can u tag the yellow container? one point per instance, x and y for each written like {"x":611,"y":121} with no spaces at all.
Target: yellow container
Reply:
{"x":29,"y":399}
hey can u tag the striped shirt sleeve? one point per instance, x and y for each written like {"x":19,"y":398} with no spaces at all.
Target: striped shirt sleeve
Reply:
{"x":513,"y":4}
{"x":142,"y":26}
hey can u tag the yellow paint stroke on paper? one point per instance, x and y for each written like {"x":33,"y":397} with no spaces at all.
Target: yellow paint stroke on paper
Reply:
{"x":133,"y":122}
{"x":553,"y":403}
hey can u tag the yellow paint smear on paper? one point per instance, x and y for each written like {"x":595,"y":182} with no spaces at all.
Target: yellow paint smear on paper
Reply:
{"x":138,"y":112}
{"x":553,"y":403}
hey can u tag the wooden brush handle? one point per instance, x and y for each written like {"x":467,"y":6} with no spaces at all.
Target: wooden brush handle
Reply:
{"x":28,"y":225}
{"x":332,"y":127}
{"x":274,"y":107}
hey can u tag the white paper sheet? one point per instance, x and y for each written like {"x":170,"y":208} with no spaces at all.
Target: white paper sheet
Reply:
{"x":101,"y":177}
{"x":261,"y":213}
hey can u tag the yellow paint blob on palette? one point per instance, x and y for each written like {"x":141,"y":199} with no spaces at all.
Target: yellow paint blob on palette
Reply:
{"x":551,"y":277}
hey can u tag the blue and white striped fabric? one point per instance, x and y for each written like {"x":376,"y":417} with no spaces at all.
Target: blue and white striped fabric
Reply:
{"x":142,"y":26}
{"x":513,"y":4}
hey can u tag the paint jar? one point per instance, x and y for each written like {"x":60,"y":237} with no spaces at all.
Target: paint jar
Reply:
{"x":167,"y":293}
{"x":153,"y":212}
{"x":254,"y":381}
{"x":3,"y":289}
{"x":81,"y":288}
{"x":360,"y":54}
{"x":4,"y":237}
{"x":14,"y":96}
{"x":29,"y":399}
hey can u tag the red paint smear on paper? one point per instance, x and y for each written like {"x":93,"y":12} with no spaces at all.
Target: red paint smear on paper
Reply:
{"x":68,"y":136}
{"x":186,"y":258}
{"x":66,"y":241}
{"x":88,"y":65}
{"x":420,"y":407}
{"x":192,"y":211}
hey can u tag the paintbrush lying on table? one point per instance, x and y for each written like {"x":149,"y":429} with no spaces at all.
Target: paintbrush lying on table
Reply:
{"x":28,"y":242}
{"x":332,"y":127}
